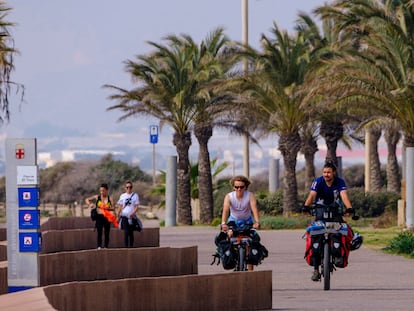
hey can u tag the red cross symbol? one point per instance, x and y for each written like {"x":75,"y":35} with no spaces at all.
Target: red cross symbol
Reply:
{"x":19,"y":153}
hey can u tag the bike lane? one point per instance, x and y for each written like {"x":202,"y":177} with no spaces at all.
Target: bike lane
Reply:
{"x":372,"y":280}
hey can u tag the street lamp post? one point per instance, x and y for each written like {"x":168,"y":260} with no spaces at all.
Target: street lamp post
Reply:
{"x":245,"y":41}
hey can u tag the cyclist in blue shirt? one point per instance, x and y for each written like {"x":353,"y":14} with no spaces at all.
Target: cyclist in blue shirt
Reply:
{"x":326,"y":189}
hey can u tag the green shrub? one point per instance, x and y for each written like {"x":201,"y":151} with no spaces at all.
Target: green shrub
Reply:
{"x":218,"y":196}
{"x":402,"y":244}
{"x":270,"y":204}
{"x":45,"y":214}
{"x":373,"y":204}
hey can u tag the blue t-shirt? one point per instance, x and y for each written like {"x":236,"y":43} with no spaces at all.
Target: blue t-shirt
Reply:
{"x":325,"y":194}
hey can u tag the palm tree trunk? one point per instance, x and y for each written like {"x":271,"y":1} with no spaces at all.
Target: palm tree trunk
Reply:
{"x":182,"y":143}
{"x":309,"y":148}
{"x":289,"y":146}
{"x":205,"y":183}
{"x":332,"y":132}
{"x":375,"y":168}
{"x":392,"y":137}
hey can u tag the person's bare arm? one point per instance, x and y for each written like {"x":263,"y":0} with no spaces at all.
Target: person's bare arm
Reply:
{"x":135,"y":210}
{"x":226,"y":212}
{"x":345,"y":199}
{"x":89,"y":200}
{"x":311,"y":198}
{"x":255,"y":210}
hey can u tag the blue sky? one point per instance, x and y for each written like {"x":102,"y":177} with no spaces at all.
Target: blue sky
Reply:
{"x":69,"y":49}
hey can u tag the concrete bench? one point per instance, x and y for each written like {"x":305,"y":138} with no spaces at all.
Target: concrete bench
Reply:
{"x":227,"y":291}
{"x":3,"y":250}
{"x":64,"y":223}
{"x":3,"y":234}
{"x":111,"y":264}
{"x":3,"y":278}
{"x":81,"y":239}
{"x":233,"y":291}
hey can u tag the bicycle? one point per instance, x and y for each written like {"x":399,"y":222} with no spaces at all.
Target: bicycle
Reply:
{"x":240,"y":249}
{"x":241,"y":241}
{"x":329,"y":233}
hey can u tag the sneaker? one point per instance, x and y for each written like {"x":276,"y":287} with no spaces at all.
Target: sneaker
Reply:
{"x":339,"y":261}
{"x":316,"y":276}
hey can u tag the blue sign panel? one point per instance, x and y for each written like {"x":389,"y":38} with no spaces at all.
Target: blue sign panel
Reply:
{"x":153,"y":134}
{"x":30,"y":241}
{"x":153,"y":139}
{"x":29,"y":219}
{"x":28,"y":197}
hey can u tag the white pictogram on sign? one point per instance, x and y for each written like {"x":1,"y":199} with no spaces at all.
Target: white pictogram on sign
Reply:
{"x":27,"y":240}
{"x":26,"y":196}
{"x":27,"y":217}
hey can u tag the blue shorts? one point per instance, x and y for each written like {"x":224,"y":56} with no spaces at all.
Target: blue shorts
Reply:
{"x":240,"y":222}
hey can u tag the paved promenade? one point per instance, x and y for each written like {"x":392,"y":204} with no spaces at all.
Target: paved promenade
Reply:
{"x":372,"y":280}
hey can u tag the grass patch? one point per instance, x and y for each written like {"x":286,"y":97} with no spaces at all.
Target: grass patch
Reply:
{"x":374,"y":238}
{"x":378,"y":239}
{"x":280,"y":222}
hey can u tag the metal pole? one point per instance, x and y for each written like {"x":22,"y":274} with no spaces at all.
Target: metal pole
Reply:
{"x":153,"y":164}
{"x":273,"y":175}
{"x":245,"y":40}
{"x":408,"y":188}
{"x":171,"y":192}
{"x":367,"y":161}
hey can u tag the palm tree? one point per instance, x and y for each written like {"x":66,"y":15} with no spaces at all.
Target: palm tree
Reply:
{"x":7,"y":53}
{"x":178,"y":87}
{"x":324,"y":44}
{"x":272,"y":89}
{"x":360,"y":20}
{"x":215,"y":54}
{"x":166,"y":90}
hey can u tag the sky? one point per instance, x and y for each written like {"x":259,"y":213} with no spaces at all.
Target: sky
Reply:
{"x":70,"y":49}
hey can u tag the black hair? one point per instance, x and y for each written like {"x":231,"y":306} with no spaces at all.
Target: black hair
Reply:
{"x":104,"y":186}
{"x":330,"y":164}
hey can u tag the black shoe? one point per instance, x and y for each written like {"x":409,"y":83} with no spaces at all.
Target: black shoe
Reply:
{"x":316,"y":276}
{"x":339,"y":261}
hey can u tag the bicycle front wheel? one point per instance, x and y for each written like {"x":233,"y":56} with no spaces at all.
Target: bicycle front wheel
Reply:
{"x":242,"y":259}
{"x":326,"y":266}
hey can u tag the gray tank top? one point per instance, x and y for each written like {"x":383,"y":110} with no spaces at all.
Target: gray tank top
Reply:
{"x":240,"y":208}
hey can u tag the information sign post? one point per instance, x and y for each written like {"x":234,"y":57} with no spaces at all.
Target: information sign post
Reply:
{"x":24,"y":238}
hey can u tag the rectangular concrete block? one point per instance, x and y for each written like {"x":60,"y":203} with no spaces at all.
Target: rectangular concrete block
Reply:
{"x":106,"y":264}
{"x":3,"y":234}
{"x":3,"y":251}
{"x":82,"y":239}
{"x":248,"y":291}
{"x":401,"y":213}
{"x":3,"y":278}
{"x":63,"y":223}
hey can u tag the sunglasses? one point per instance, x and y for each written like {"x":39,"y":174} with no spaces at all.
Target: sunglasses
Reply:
{"x":128,"y":187}
{"x":238,"y":187}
